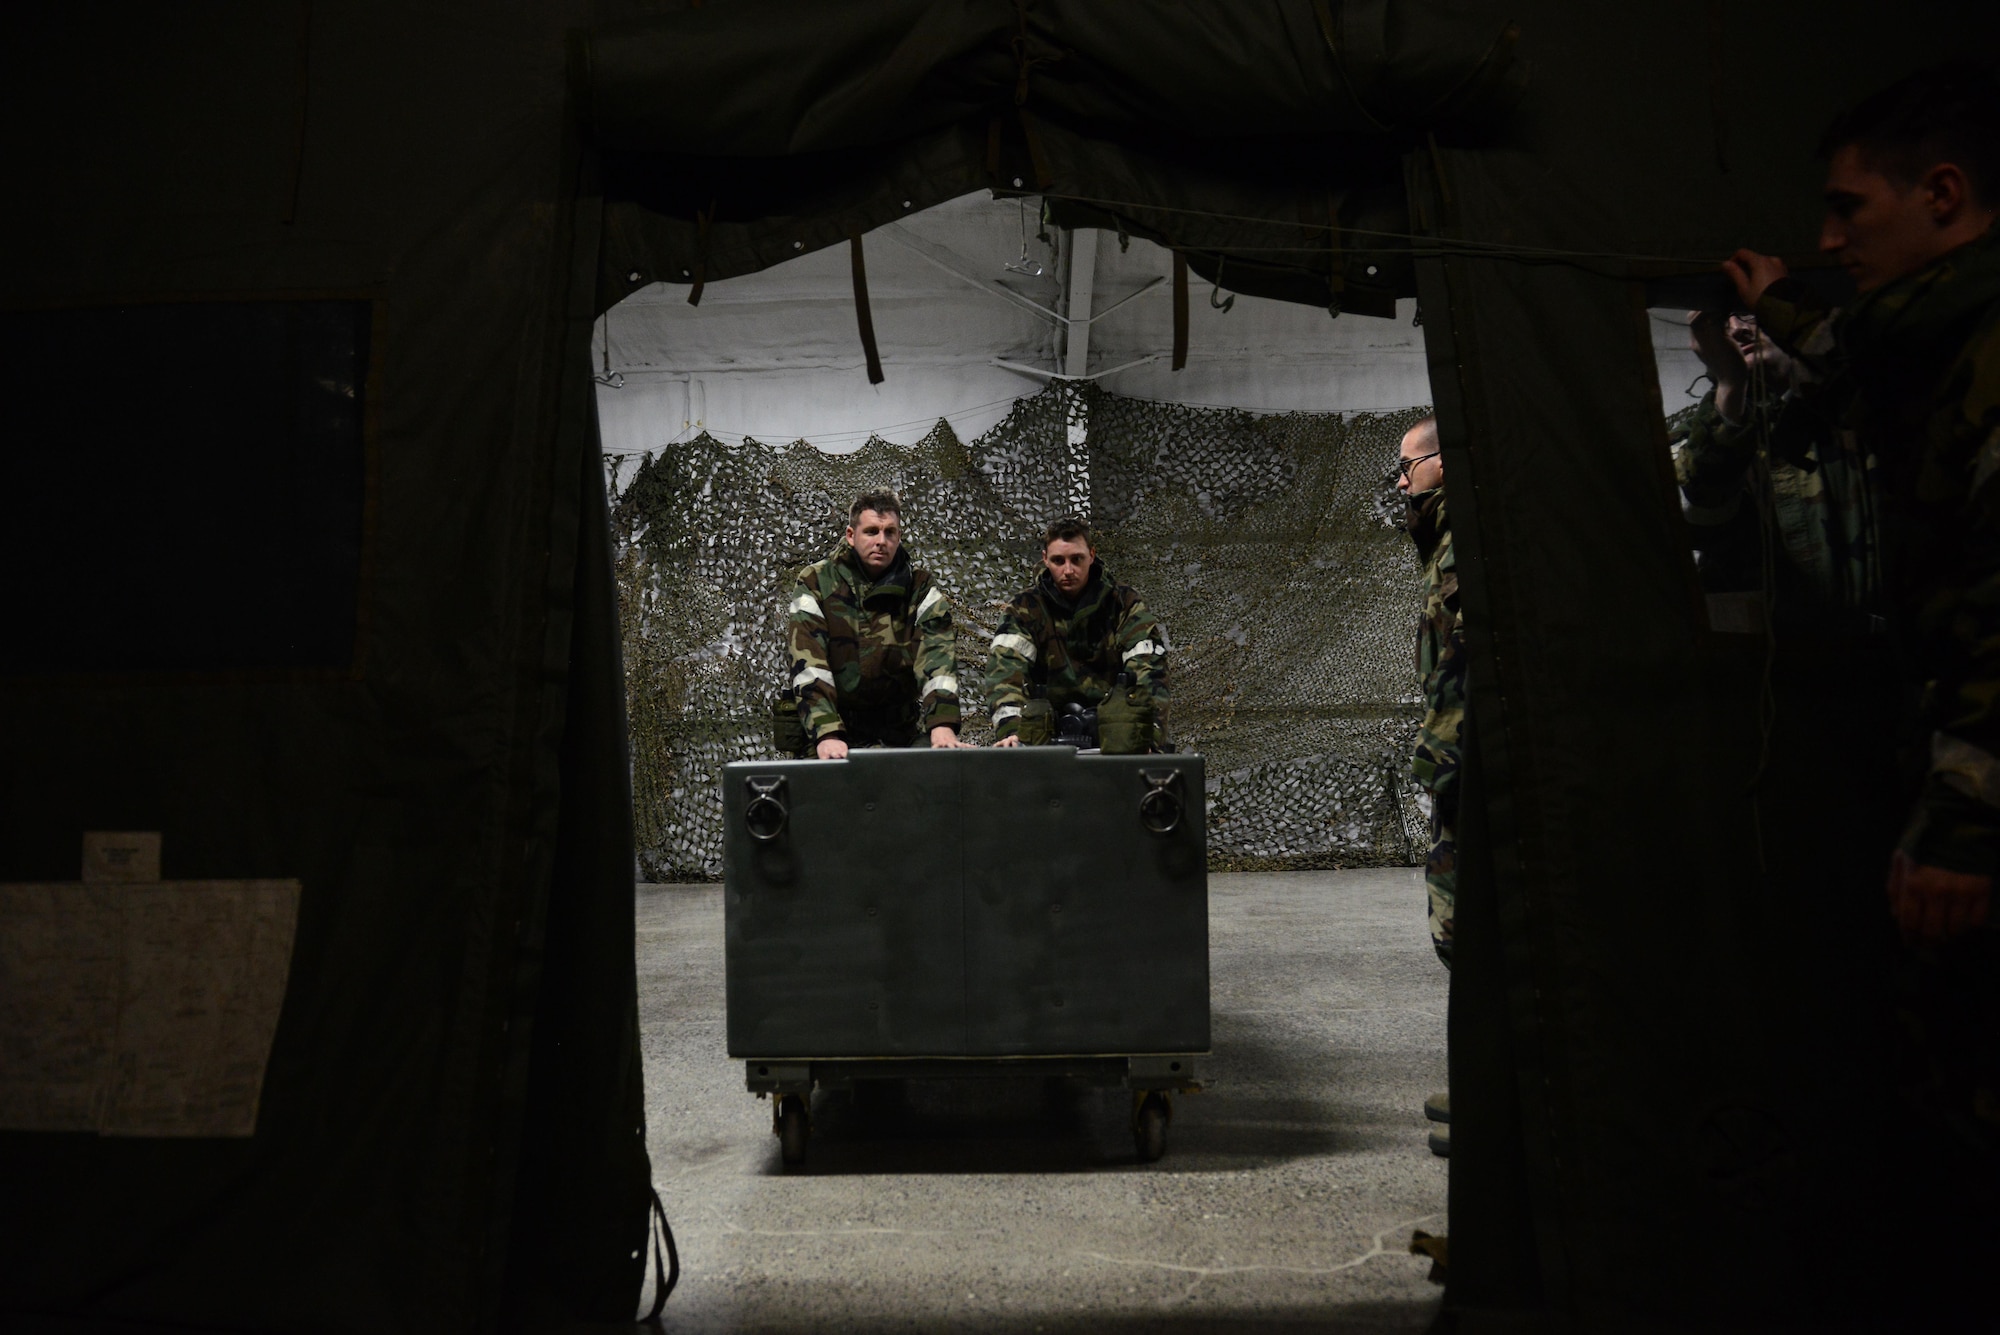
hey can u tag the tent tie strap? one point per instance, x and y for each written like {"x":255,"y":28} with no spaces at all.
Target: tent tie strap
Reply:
{"x":1028,"y":53}
{"x":861,"y":313}
{"x":1336,"y":262}
{"x":667,"y":1271}
{"x":1329,"y":31}
{"x":704,"y":219}
{"x":1180,"y":310}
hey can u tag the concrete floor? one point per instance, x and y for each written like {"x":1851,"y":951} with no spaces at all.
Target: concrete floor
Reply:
{"x":1285,"y":1201}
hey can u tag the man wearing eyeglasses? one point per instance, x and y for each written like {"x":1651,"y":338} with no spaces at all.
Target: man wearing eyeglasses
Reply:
{"x":1441,"y":668}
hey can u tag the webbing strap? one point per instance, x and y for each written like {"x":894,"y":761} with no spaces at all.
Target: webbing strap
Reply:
{"x":667,"y":1272}
{"x":1180,"y":310}
{"x":861,"y":315}
{"x":1029,"y":53}
{"x":1336,"y":262}
{"x":703,"y":220}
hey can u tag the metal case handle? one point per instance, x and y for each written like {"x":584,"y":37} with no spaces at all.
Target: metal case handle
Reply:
{"x":1161,"y":809}
{"x":767,"y":815}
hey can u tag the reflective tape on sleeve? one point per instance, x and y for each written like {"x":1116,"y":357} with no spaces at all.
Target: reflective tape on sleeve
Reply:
{"x":811,"y":675}
{"x":1967,"y":768}
{"x":1005,"y":712}
{"x":1020,"y":644}
{"x":943,"y":681}
{"x":806,"y":603}
{"x":931,"y":599}
{"x":1140,"y":650}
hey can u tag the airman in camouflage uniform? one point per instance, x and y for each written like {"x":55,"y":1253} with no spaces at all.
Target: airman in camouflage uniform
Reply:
{"x":1754,"y":453}
{"x":1913,"y":368}
{"x":1441,"y":669}
{"x":1070,"y":634}
{"x":871,"y":641}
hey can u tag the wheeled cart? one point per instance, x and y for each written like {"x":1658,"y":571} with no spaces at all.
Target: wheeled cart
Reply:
{"x":971,"y":913}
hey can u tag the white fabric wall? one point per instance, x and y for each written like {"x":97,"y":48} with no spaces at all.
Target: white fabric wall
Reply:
{"x":776,"y":355}
{"x":1679,"y":367}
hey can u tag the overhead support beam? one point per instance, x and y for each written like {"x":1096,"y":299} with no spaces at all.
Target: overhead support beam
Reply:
{"x":966,"y":272}
{"x":1082,"y":273}
{"x":1039,"y":373}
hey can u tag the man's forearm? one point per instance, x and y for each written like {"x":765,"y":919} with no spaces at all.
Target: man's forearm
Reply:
{"x":1004,"y":702}
{"x":1009,"y":660}
{"x":1799,"y":323}
{"x":812,"y":675}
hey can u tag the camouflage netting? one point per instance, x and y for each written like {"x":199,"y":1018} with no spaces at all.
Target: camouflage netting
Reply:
{"x":1267,"y":546}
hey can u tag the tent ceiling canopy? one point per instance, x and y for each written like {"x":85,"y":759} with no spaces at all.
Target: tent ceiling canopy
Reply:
{"x":740,"y":136}
{"x":785,"y":77}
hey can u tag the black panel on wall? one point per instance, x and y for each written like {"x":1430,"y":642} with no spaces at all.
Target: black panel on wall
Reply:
{"x":182,"y":486}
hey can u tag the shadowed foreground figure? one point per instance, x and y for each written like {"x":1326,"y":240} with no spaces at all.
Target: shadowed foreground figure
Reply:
{"x":1912,"y":369}
{"x":1441,"y":669}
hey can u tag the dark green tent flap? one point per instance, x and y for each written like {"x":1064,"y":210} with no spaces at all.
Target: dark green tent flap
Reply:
{"x":1665,"y":1027}
{"x":458,"y":1029}
{"x":807,"y":78}
{"x":732,"y":145}
{"x":1672,"y":1107}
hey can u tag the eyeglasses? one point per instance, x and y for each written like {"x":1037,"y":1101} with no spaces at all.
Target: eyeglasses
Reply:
{"x":1403,"y":466}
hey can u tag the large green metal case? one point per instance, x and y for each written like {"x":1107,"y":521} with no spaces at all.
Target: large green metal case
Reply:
{"x":970,"y":903}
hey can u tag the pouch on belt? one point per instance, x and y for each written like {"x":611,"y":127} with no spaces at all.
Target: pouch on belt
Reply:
{"x":1124,"y":726}
{"x":1037,"y":726}
{"x":788,"y":730}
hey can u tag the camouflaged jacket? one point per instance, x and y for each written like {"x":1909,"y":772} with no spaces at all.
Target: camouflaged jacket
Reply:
{"x":1074,"y":651}
{"x":1822,"y":511}
{"x":872,"y":659}
{"x":1440,"y":647}
{"x":1913,"y":369}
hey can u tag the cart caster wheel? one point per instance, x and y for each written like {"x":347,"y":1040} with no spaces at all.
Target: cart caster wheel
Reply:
{"x":1149,"y":1126}
{"x":794,"y":1124}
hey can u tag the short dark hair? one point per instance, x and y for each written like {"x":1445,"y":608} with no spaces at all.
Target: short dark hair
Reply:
{"x":882,"y":501}
{"x":1947,"y":113}
{"x":1068,"y":528}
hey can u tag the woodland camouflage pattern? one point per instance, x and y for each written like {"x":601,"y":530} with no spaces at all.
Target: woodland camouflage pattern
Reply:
{"x":1913,"y":368}
{"x":1074,"y":651}
{"x":1441,"y":670}
{"x":1822,"y":510}
{"x":871,"y":660}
